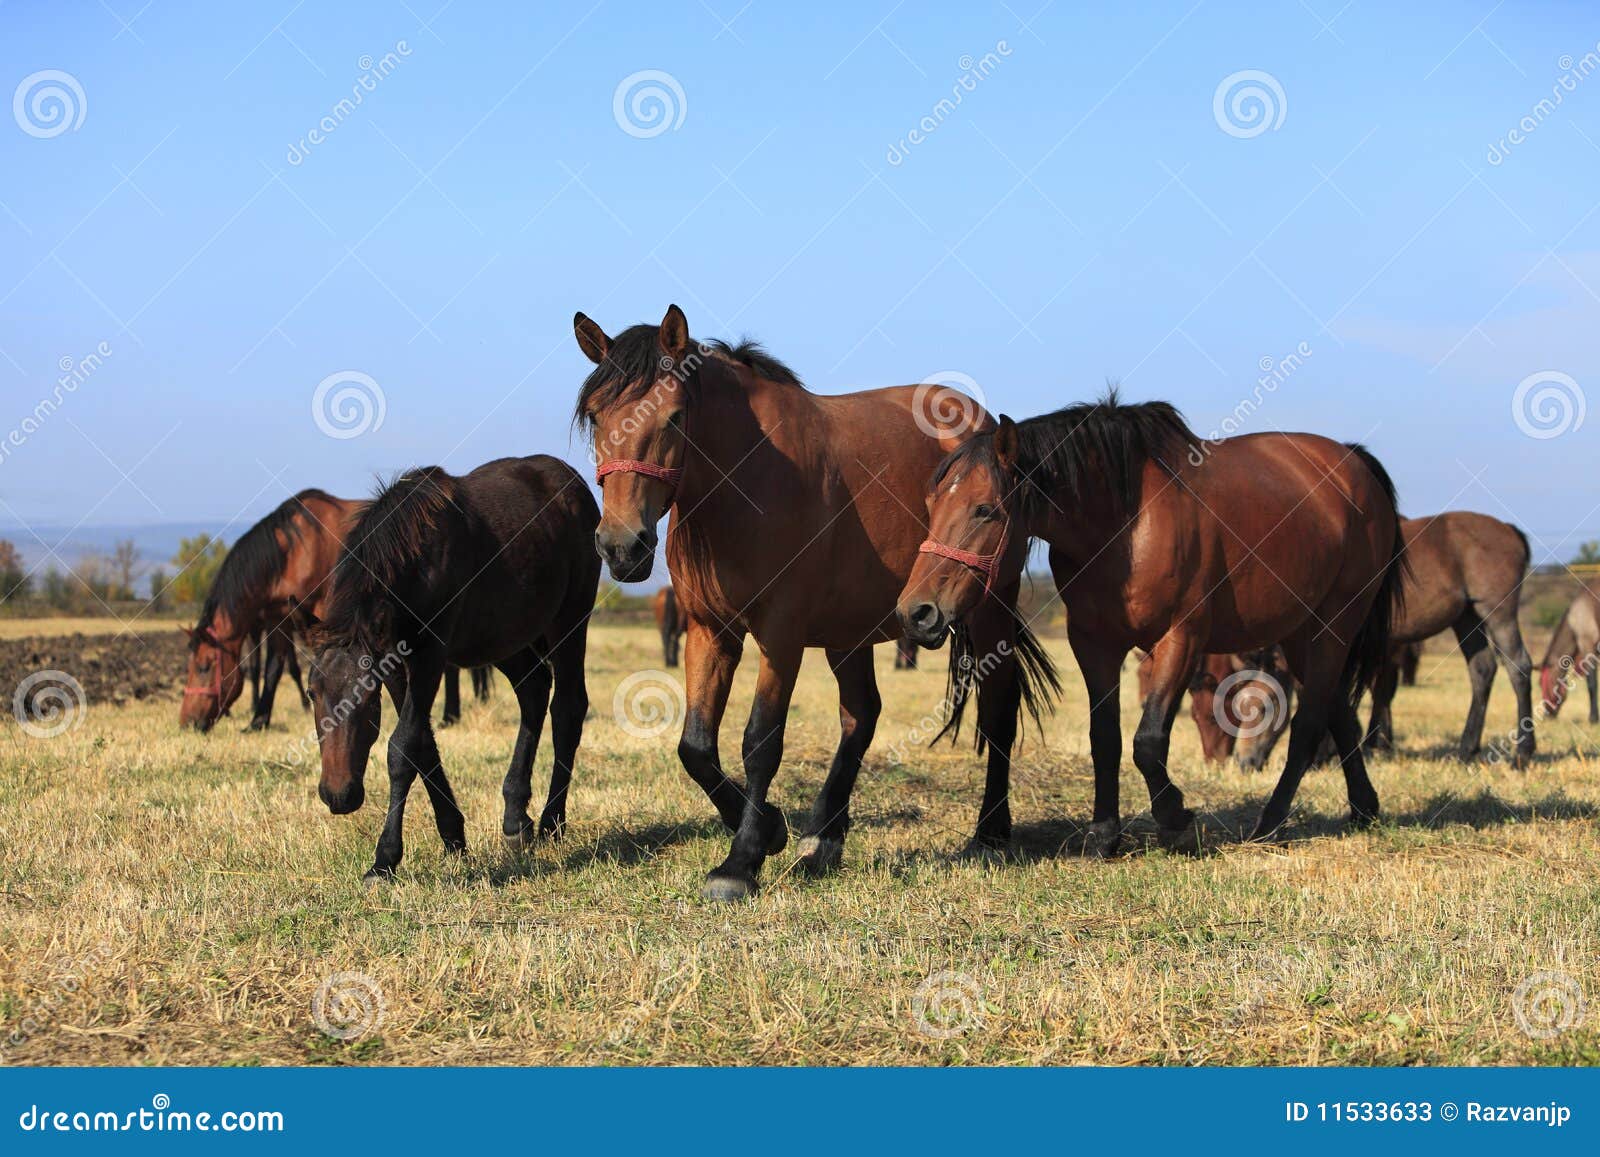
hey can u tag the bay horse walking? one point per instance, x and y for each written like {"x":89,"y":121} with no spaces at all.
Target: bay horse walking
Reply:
{"x":669,"y":623}
{"x":1574,"y":650}
{"x":1464,"y":573}
{"x":275,"y":577}
{"x":1158,"y":543}
{"x":496,"y":566}
{"x":795,"y":518}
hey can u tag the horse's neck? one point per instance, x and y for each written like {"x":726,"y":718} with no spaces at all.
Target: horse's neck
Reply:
{"x":739,"y":419}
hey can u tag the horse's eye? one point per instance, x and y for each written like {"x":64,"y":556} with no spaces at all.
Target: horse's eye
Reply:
{"x":984,"y":511}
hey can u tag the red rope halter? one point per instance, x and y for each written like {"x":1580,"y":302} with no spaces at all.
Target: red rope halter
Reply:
{"x":668,"y":474}
{"x":215,"y":690}
{"x":984,"y":564}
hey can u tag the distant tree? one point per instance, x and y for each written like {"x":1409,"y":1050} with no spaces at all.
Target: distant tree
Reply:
{"x":124,"y":562}
{"x":160,"y":596}
{"x":1588,"y":554}
{"x":93,"y":584}
{"x":197,"y":560}
{"x":13,"y":575}
{"x":56,"y":589}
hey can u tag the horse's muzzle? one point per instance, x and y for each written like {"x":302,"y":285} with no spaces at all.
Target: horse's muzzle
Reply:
{"x":629,"y":556}
{"x":342,"y":803}
{"x":924,"y":623}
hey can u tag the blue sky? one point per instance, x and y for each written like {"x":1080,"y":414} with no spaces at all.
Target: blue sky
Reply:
{"x":1085,"y":212}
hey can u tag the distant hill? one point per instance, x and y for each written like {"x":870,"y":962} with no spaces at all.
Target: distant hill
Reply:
{"x":157,"y":543}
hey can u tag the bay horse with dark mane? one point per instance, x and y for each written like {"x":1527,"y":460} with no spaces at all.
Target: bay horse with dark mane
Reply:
{"x":492,"y":567}
{"x":274,"y":578}
{"x":1574,"y":652}
{"x":1464,"y":574}
{"x":1159,"y":544}
{"x":795,"y":518}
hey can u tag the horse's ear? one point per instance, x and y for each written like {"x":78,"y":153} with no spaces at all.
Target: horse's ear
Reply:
{"x":592,"y":340}
{"x":1005,"y":444}
{"x":674,"y":333}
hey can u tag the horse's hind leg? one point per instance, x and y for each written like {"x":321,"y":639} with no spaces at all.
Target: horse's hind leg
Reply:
{"x":1380,"y":730}
{"x":452,"y":697}
{"x":859,"y":706}
{"x":1344,"y":725}
{"x":268,"y":689}
{"x":1594,"y":695}
{"x":1506,"y":636}
{"x":530,"y":680}
{"x":567,"y":710}
{"x":1176,"y":656}
{"x":711,"y":657}
{"x":1473,"y":640}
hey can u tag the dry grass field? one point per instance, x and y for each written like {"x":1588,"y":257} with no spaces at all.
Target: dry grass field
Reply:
{"x":177,"y":898}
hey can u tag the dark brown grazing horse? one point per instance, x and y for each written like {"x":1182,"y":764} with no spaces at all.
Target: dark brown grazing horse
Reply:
{"x":1239,"y":702}
{"x":795,"y":519}
{"x":1574,"y":652}
{"x":278,"y":649}
{"x":905,"y":654}
{"x":274,"y":577}
{"x":1464,"y":573}
{"x":496,"y":566}
{"x":669,"y":623}
{"x":1182,"y":548}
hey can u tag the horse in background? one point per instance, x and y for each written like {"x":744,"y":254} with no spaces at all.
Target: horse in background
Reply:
{"x":905,"y":654}
{"x":493,"y":567}
{"x":1464,"y":573}
{"x":1408,"y":657}
{"x":273,"y":579}
{"x":1574,"y":649}
{"x":482,"y":688}
{"x":1240,"y":703}
{"x":1309,"y":555}
{"x":795,"y":519}
{"x":669,"y":623}
{"x":277,"y":646}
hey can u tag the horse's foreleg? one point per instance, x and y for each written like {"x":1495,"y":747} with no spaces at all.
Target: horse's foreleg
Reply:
{"x":1102,"y":678}
{"x":452,"y":697}
{"x":761,"y":826}
{"x":1594,"y":695}
{"x":859,"y":706}
{"x":710,"y":660}
{"x":994,"y":635}
{"x":1176,"y":657}
{"x":567,"y":711}
{"x":530,"y":680}
{"x":1380,"y":729}
{"x":268,"y":689}
{"x":412,"y":752}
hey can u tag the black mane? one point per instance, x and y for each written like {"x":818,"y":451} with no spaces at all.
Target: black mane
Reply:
{"x":255,"y":562}
{"x":634,"y":363}
{"x":1085,"y":452}
{"x":382,"y":552}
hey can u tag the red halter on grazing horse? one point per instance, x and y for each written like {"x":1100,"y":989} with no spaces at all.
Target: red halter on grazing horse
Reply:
{"x":1159,"y":545}
{"x":795,"y":519}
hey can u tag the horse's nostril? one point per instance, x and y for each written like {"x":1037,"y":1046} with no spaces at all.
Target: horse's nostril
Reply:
{"x":925,"y":615}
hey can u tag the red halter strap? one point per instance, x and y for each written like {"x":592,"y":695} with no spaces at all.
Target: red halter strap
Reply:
{"x":984,"y":564}
{"x":668,"y":474}
{"x":215,"y":690}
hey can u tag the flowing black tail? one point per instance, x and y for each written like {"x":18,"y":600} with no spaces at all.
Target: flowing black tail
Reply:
{"x":1370,"y":650}
{"x":1037,"y":682}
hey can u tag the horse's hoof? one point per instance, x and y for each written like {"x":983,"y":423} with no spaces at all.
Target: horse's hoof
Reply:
{"x":256,"y":725}
{"x":725,"y":889}
{"x":821,"y":855}
{"x":521,"y":839}
{"x":1182,"y":840}
{"x":378,"y":875}
{"x":1361,"y":820}
{"x":1103,"y":841}
{"x":443,"y":723}
{"x":777,"y":829}
{"x":984,"y":853}
{"x":552,"y":828}
{"x":1266,"y":830}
